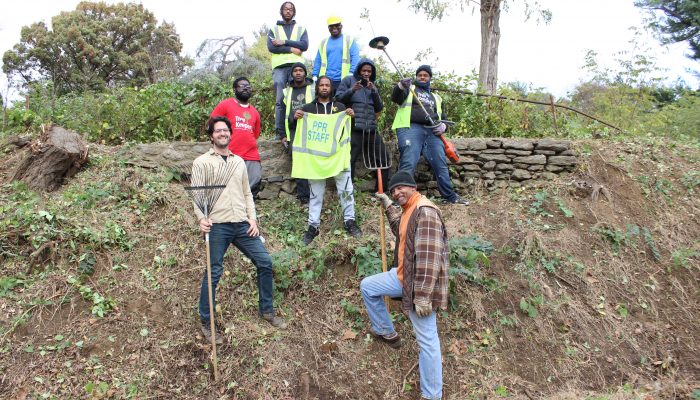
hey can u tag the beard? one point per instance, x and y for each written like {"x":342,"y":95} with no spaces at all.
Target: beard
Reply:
{"x":243,"y":96}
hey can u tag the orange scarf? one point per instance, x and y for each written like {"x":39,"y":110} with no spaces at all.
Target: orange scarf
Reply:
{"x":408,"y":209}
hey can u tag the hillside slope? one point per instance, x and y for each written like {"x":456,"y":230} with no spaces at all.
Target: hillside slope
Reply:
{"x":592,"y":291}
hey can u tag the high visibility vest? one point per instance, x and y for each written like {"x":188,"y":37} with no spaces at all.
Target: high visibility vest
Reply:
{"x":287,"y":94}
{"x":403,"y":114}
{"x":288,"y":58}
{"x":345,"y":66}
{"x":321,"y":147}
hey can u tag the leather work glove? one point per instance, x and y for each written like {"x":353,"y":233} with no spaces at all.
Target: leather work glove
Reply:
{"x":440,"y":129}
{"x":384,"y":199}
{"x":405,"y":83}
{"x":423,"y":307}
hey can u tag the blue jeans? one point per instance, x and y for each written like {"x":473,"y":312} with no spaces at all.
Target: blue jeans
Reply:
{"x":419,"y":139}
{"x":220,"y":237}
{"x":280,"y":77}
{"x":373,"y":289}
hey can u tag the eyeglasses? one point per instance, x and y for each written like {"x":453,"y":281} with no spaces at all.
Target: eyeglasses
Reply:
{"x":244,"y":86}
{"x":222,"y":130}
{"x":335,"y":26}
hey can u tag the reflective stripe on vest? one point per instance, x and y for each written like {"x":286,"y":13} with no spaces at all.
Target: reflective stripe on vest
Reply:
{"x":287,"y":93}
{"x":287,"y":58}
{"x":403,"y":114}
{"x":345,"y":63}
{"x":321,"y":148}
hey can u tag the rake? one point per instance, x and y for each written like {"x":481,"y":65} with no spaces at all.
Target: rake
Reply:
{"x":204,"y":184}
{"x":376,"y":157}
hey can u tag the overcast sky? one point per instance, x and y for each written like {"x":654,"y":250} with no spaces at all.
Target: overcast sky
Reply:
{"x":547,"y":56}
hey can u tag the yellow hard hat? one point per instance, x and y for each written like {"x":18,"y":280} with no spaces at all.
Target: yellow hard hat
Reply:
{"x":333,"y":19}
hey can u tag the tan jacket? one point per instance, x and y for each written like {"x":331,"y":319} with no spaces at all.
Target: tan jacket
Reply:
{"x":236,"y":201}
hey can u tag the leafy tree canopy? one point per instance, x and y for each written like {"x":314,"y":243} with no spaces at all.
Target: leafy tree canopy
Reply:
{"x":676,"y":21}
{"x":97,"y":45}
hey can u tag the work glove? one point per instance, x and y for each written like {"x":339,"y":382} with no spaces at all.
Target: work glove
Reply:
{"x":423,"y":307}
{"x":440,"y":129}
{"x":384,"y":199}
{"x":405,"y":83}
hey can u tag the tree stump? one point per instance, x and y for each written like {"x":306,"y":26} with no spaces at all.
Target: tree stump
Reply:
{"x":56,"y":156}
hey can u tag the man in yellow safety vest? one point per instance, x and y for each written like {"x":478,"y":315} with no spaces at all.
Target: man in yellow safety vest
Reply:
{"x":337,"y":55}
{"x":299,"y":92}
{"x":321,"y":150}
{"x":415,"y":134}
{"x":286,"y":41}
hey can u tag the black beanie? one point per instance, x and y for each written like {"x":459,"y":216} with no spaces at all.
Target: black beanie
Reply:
{"x":299,"y":64}
{"x":401,"y":178}
{"x":425,"y":68}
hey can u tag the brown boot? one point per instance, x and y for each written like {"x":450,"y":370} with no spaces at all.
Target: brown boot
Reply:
{"x":275,"y":320}
{"x":206,"y":332}
{"x":393,"y":340}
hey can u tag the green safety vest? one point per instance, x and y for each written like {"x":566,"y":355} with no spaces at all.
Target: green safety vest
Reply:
{"x":287,"y":95}
{"x":288,"y":58}
{"x":403,"y":114}
{"x":321,"y":148}
{"x":345,"y":66}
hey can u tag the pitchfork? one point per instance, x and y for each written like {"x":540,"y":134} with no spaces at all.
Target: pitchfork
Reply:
{"x":376,"y":157}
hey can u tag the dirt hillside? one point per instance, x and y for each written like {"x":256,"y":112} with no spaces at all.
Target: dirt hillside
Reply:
{"x":592,"y":290}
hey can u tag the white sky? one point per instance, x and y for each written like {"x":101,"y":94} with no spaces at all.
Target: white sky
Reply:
{"x":548,"y":56}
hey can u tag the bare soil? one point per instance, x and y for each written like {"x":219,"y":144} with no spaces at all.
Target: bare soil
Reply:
{"x":613,"y":323}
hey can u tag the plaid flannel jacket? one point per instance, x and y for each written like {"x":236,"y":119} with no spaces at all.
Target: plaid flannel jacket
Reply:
{"x":426,"y":255}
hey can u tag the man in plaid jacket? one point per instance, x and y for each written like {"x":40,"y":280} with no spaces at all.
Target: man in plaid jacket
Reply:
{"x":418,"y":276}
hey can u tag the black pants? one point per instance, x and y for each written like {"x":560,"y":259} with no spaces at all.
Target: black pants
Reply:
{"x":371,"y":151}
{"x":302,"y":184}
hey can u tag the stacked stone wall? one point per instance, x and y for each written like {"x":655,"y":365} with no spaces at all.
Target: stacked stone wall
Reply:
{"x":493,"y":163}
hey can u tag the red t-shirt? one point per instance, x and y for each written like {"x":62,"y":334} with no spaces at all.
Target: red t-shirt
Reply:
{"x":245,"y":128}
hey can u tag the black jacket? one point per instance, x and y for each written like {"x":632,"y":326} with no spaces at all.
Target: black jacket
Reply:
{"x":364,"y":102}
{"x":317,"y":108}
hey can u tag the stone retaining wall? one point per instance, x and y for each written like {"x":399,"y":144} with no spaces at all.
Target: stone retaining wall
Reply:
{"x":494,"y":163}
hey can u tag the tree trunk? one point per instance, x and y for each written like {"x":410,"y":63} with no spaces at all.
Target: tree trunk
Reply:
{"x":56,"y":156}
{"x":490,"y":36}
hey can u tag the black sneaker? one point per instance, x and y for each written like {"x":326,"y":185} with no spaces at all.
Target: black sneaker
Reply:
{"x":459,"y":201}
{"x":352,"y":228}
{"x":310,"y":235}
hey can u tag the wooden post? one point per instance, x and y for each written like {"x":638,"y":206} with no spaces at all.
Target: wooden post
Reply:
{"x":554,"y":113}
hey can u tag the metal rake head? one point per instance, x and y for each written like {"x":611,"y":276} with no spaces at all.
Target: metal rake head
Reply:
{"x":204,"y":183}
{"x":375,"y":155}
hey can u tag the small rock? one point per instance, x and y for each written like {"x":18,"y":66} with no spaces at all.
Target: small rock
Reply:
{"x":493,"y":144}
{"x":563,"y":160}
{"x":521,"y":175}
{"x":554,"y":145}
{"x":504,"y":167}
{"x":518,"y":144}
{"x":489,"y":166}
{"x":519,"y":152}
{"x":536,"y":159}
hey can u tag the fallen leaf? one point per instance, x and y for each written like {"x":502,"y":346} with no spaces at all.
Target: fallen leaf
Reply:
{"x":349,"y":335}
{"x":22,"y":393}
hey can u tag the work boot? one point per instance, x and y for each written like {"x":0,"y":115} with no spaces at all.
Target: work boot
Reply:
{"x":275,"y":320}
{"x":310,"y":234}
{"x":392,"y":340}
{"x":352,"y":228}
{"x":206,"y":332}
